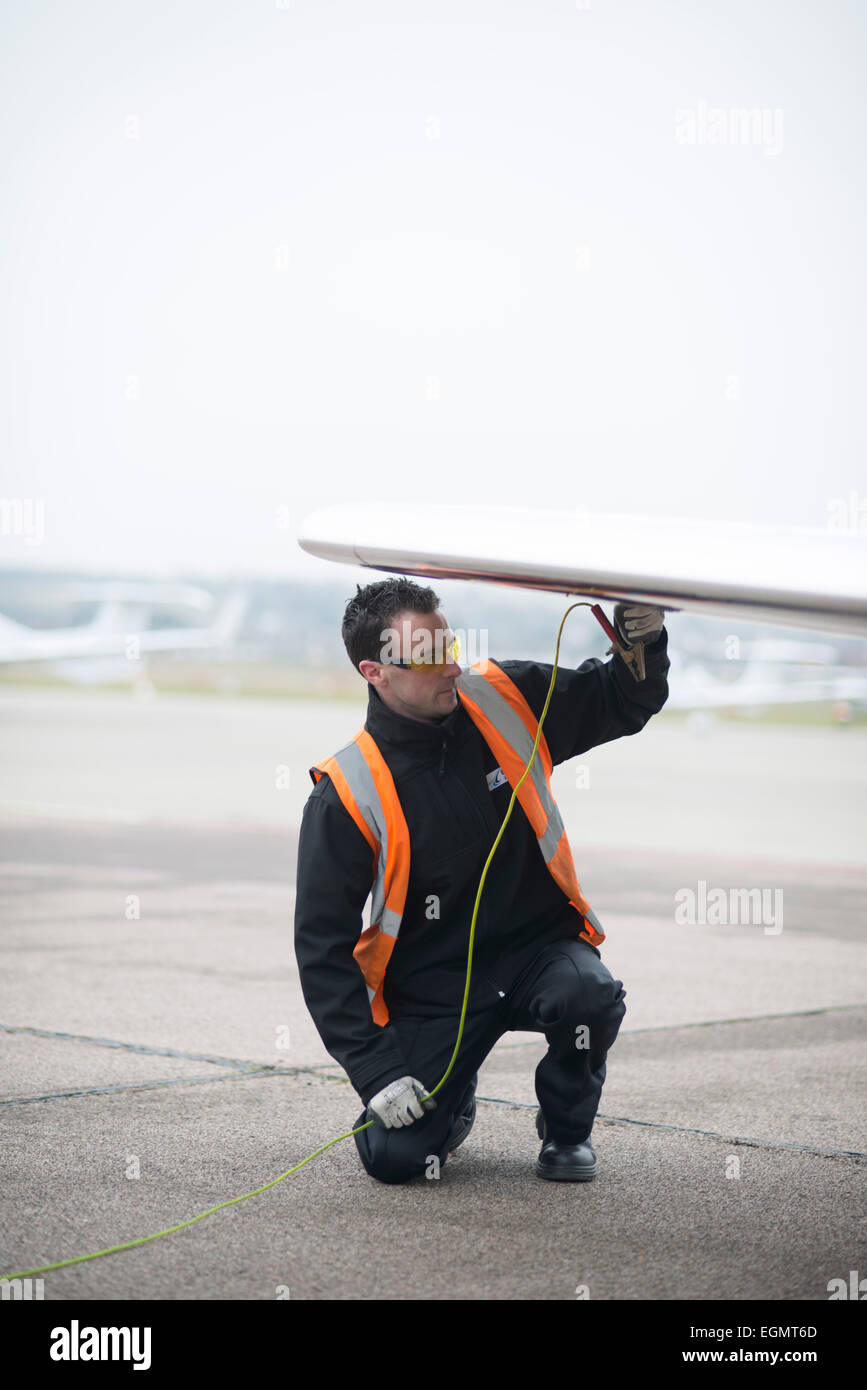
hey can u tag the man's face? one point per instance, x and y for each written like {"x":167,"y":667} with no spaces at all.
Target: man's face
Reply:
{"x":427,"y":695}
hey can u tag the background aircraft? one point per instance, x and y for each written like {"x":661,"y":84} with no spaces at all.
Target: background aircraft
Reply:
{"x":131,"y":621}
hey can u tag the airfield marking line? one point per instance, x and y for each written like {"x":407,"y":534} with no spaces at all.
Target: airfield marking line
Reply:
{"x":141,"y":1086}
{"x":686,"y":1129}
{"x":258,"y":1070}
{"x":136,"y":1047}
{"x":715,"y":1022}
{"x":491,"y":1100}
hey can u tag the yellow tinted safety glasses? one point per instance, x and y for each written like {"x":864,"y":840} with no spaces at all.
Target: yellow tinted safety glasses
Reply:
{"x":442,"y":654}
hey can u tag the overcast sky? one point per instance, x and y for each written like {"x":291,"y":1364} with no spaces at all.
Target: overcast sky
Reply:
{"x":258,"y":257}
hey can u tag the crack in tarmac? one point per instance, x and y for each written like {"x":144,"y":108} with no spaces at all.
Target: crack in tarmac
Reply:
{"x":244,"y":1069}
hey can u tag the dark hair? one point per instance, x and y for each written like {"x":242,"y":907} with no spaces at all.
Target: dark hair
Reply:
{"x":374,"y":607}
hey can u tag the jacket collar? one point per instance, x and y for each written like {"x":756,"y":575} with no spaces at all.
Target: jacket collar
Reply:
{"x":385,"y":725}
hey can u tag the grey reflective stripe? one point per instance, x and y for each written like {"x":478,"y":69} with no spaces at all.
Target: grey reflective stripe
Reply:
{"x":590,"y":916}
{"x":515,"y":732}
{"x":553,"y":831}
{"x":390,"y":921}
{"x":353,"y":765}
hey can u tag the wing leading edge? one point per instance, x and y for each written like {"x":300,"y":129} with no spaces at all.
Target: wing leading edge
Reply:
{"x":794,"y":576}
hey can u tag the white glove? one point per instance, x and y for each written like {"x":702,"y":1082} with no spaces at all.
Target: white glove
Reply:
{"x":638,"y":622}
{"x":400,"y":1103}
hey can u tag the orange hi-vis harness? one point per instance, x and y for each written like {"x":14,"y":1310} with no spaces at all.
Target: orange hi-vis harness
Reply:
{"x":364,"y":783}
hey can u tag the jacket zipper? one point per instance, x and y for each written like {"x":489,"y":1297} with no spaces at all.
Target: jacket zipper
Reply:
{"x":479,"y":814}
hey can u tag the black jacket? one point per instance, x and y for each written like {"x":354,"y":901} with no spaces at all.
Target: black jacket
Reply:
{"x":439,"y":772}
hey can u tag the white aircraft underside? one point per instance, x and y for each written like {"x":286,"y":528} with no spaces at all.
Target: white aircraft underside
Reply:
{"x":793,"y":576}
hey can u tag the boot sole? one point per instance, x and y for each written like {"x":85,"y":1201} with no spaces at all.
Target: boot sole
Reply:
{"x":563,"y":1175}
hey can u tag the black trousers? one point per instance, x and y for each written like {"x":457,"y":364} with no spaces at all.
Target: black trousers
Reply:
{"x":568,"y":994}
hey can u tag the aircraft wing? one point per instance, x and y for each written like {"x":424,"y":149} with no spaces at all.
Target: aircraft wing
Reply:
{"x":794,"y":576}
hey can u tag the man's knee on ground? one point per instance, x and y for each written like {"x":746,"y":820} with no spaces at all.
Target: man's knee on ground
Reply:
{"x":397,"y":1156}
{"x":391,"y":1169}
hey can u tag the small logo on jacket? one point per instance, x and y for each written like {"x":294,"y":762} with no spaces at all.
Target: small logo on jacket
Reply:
{"x":496,"y":779}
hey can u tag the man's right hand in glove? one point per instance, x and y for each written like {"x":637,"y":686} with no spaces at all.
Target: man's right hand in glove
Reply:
{"x":400,"y":1103}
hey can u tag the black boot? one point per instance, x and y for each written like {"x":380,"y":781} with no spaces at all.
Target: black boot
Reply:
{"x":564,"y":1162}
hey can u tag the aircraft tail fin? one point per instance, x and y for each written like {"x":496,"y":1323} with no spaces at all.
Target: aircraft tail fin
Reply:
{"x":9,"y":627}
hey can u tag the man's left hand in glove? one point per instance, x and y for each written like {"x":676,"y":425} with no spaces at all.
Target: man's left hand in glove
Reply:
{"x":638,"y":622}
